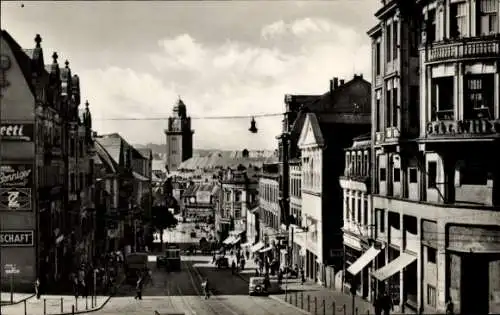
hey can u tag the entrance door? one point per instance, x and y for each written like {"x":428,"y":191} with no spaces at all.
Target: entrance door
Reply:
{"x":475,"y":282}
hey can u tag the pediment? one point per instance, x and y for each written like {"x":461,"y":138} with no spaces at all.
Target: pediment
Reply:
{"x":311,"y":135}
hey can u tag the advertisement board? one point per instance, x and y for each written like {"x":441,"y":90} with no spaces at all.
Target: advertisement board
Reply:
{"x":16,"y":238}
{"x":17,"y":132}
{"x":15,"y":199}
{"x":16,"y":175}
{"x":203,"y":197}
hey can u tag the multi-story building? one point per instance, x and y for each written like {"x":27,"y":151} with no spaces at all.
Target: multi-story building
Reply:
{"x":270,"y":214}
{"x":357,"y":218}
{"x":295,"y":247}
{"x":238,"y":193}
{"x":436,"y":133}
{"x":179,"y":137}
{"x":324,"y":127}
{"x":121,"y":153}
{"x":45,"y":222}
{"x":199,"y":201}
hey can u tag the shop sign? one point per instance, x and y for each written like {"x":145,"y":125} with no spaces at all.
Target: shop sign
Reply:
{"x":17,"y":132}
{"x":15,"y":199}
{"x":16,"y":238}
{"x":16,"y":175}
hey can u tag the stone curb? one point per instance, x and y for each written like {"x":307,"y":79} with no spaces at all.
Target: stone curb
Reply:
{"x":288,"y":304}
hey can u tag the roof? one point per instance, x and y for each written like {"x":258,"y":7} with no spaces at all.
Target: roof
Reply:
{"x":199,"y":187}
{"x":218,"y":160}
{"x":311,"y":125}
{"x":146,"y":152}
{"x":112,"y":143}
{"x":105,"y":158}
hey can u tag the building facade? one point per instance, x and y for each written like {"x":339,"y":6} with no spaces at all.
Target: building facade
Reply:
{"x":179,"y":137}
{"x":199,"y":201}
{"x":358,"y":220}
{"x":46,"y":222}
{"x":435,"y":131}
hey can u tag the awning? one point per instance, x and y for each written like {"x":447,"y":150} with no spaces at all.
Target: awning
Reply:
{"x":235,"y":240}
{"x":394,"y":266}
{"x":247,"y":244}
{"x":140,"y":177}
{"x":268,"y":248}
{"x":257,"y":247}
{"x":363,"y":260}
{"x":228,"y":240}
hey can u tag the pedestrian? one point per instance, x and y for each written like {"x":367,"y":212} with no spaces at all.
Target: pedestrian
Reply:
{"x":150,"y":275}
{"x":138,"y":288}
{"x":387,"y":304}
{"x":302,"y":276}
{"x":233,"y":267}
{"x":280,"y":276}
{"x":37,"y":288}
{"x":449,"y":307}
{"x":378,"y":304}
{"x":75,"y":286}
{"x":206,"y":288}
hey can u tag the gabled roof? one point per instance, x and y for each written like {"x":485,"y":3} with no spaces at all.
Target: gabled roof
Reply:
{"x":105,"y":157}
{"x":112,"y":143}
{"x":311,"y":132}
{"x":146,"y":153}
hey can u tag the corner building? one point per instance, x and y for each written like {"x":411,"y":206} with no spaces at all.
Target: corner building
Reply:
{"x":436,"y":148}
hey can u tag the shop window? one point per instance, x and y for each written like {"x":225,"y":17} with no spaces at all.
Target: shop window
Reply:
{"x":431,"y":295}
{"x":382,"y":175}
{"x":431,"y":255}
{"x":431,"y":174}
{"x":397,"y":175}
{"x":442,"y":100}
{"x":413,"y":175}
{"x":479,"y":99}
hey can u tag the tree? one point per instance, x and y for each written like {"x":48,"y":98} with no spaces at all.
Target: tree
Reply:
{"x":162,"y":219}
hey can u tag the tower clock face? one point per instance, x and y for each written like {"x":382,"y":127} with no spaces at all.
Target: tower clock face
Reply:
{"x":192,"y":200}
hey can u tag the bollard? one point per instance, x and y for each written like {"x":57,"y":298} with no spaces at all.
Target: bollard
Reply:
{"x":72,"y":309}
{"x":44,"y":306}
{"x":308,"y":304}
{"x":25,"y":310}
{"x":86,"y":303}
{"x":301,"y":300}
{"x":62,"y":307}
{"x":315,"y":305}
{"x":344,"y":309}
{"x":324,"y":307}
{"x":334,"y":309}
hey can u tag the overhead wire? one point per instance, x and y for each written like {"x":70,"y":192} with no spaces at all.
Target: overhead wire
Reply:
{"x":162,"y":118}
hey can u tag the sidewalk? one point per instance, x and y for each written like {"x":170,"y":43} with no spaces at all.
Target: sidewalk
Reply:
{"x":16,"y":298}
{"x":58,"y":304}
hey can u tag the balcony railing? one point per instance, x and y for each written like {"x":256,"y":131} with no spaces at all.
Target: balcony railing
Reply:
{"x":466,"y":48}
{"x":463,"y":128}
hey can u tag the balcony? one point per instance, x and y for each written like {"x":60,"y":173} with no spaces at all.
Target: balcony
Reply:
{"x":473,"y":128}
{"x":464,"y":49}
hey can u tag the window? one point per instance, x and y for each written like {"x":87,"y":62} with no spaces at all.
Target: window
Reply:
{"x":413,"y":175}
{"x":479,"y":96}
{"x":442,"y":101}
{"x":72,"y":147}
{"x":431,"y":174}
{"x":72,"y":183}
{"x":381,"y":220}
{"x":395,"y":45}
{"x":431,"y":255}
{"x":458,"y":19}
{"x":413,"y":104}
{"x":388,"y":42}
{"x":382,"y":174}
{"x":377,"y":59}
{"x":395,"y":103}
{"x":365,"y":213}
{"x":397,"y":175}
{"x":430,"y":26}
{"x":388,"y":103}
{"x":473,"y":173}
{"x":488,"y":17}
{"x":379,"y":109}
{"x":359,"y":211}
{"x":393,"y":219}
{"x":431,"y":295}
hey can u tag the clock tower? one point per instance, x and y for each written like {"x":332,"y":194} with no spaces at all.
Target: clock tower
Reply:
{"x":179,"y":137}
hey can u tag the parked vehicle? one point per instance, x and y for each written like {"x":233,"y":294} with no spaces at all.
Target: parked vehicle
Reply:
{"x":256,"y":286}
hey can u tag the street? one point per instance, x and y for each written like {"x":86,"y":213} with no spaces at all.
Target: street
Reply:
{"x":181,"y":292}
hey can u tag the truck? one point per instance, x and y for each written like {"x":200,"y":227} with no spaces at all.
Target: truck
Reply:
{"x":135,"y":265}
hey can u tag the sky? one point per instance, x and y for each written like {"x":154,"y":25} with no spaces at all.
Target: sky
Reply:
{"x":227,"y":58}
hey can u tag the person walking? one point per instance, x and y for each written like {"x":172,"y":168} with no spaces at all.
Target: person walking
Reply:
{"x":378,"y":304}
{"x":206,"y":288}
{"x":37,"y":288}
{"x":387,"y":305}
{"x":138,"y":289}
{"x":150,"y":275}
{"x":449,"y":307}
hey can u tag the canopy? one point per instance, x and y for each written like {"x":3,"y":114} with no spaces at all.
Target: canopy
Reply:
{"x":268,"y":248}
{"x":228,"y":240}
{"x":394,"y":266}
{"x":257,"y":247}
{"x":363,"y":261}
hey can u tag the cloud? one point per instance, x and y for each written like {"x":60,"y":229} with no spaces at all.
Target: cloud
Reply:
{"x":226,"y":79}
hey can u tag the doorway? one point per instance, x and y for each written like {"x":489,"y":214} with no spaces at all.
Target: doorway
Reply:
{"x":475,"y":282}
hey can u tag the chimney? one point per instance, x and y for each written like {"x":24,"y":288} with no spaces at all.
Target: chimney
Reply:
{"x":342,"y":82}
{"x":334,"y":84}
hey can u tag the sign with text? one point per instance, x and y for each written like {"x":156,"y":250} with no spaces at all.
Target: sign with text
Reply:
{"x":15,"y":199}
{"x":16,"y":175}
{"x":17,"y":132}
{"x":16,"y":238}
